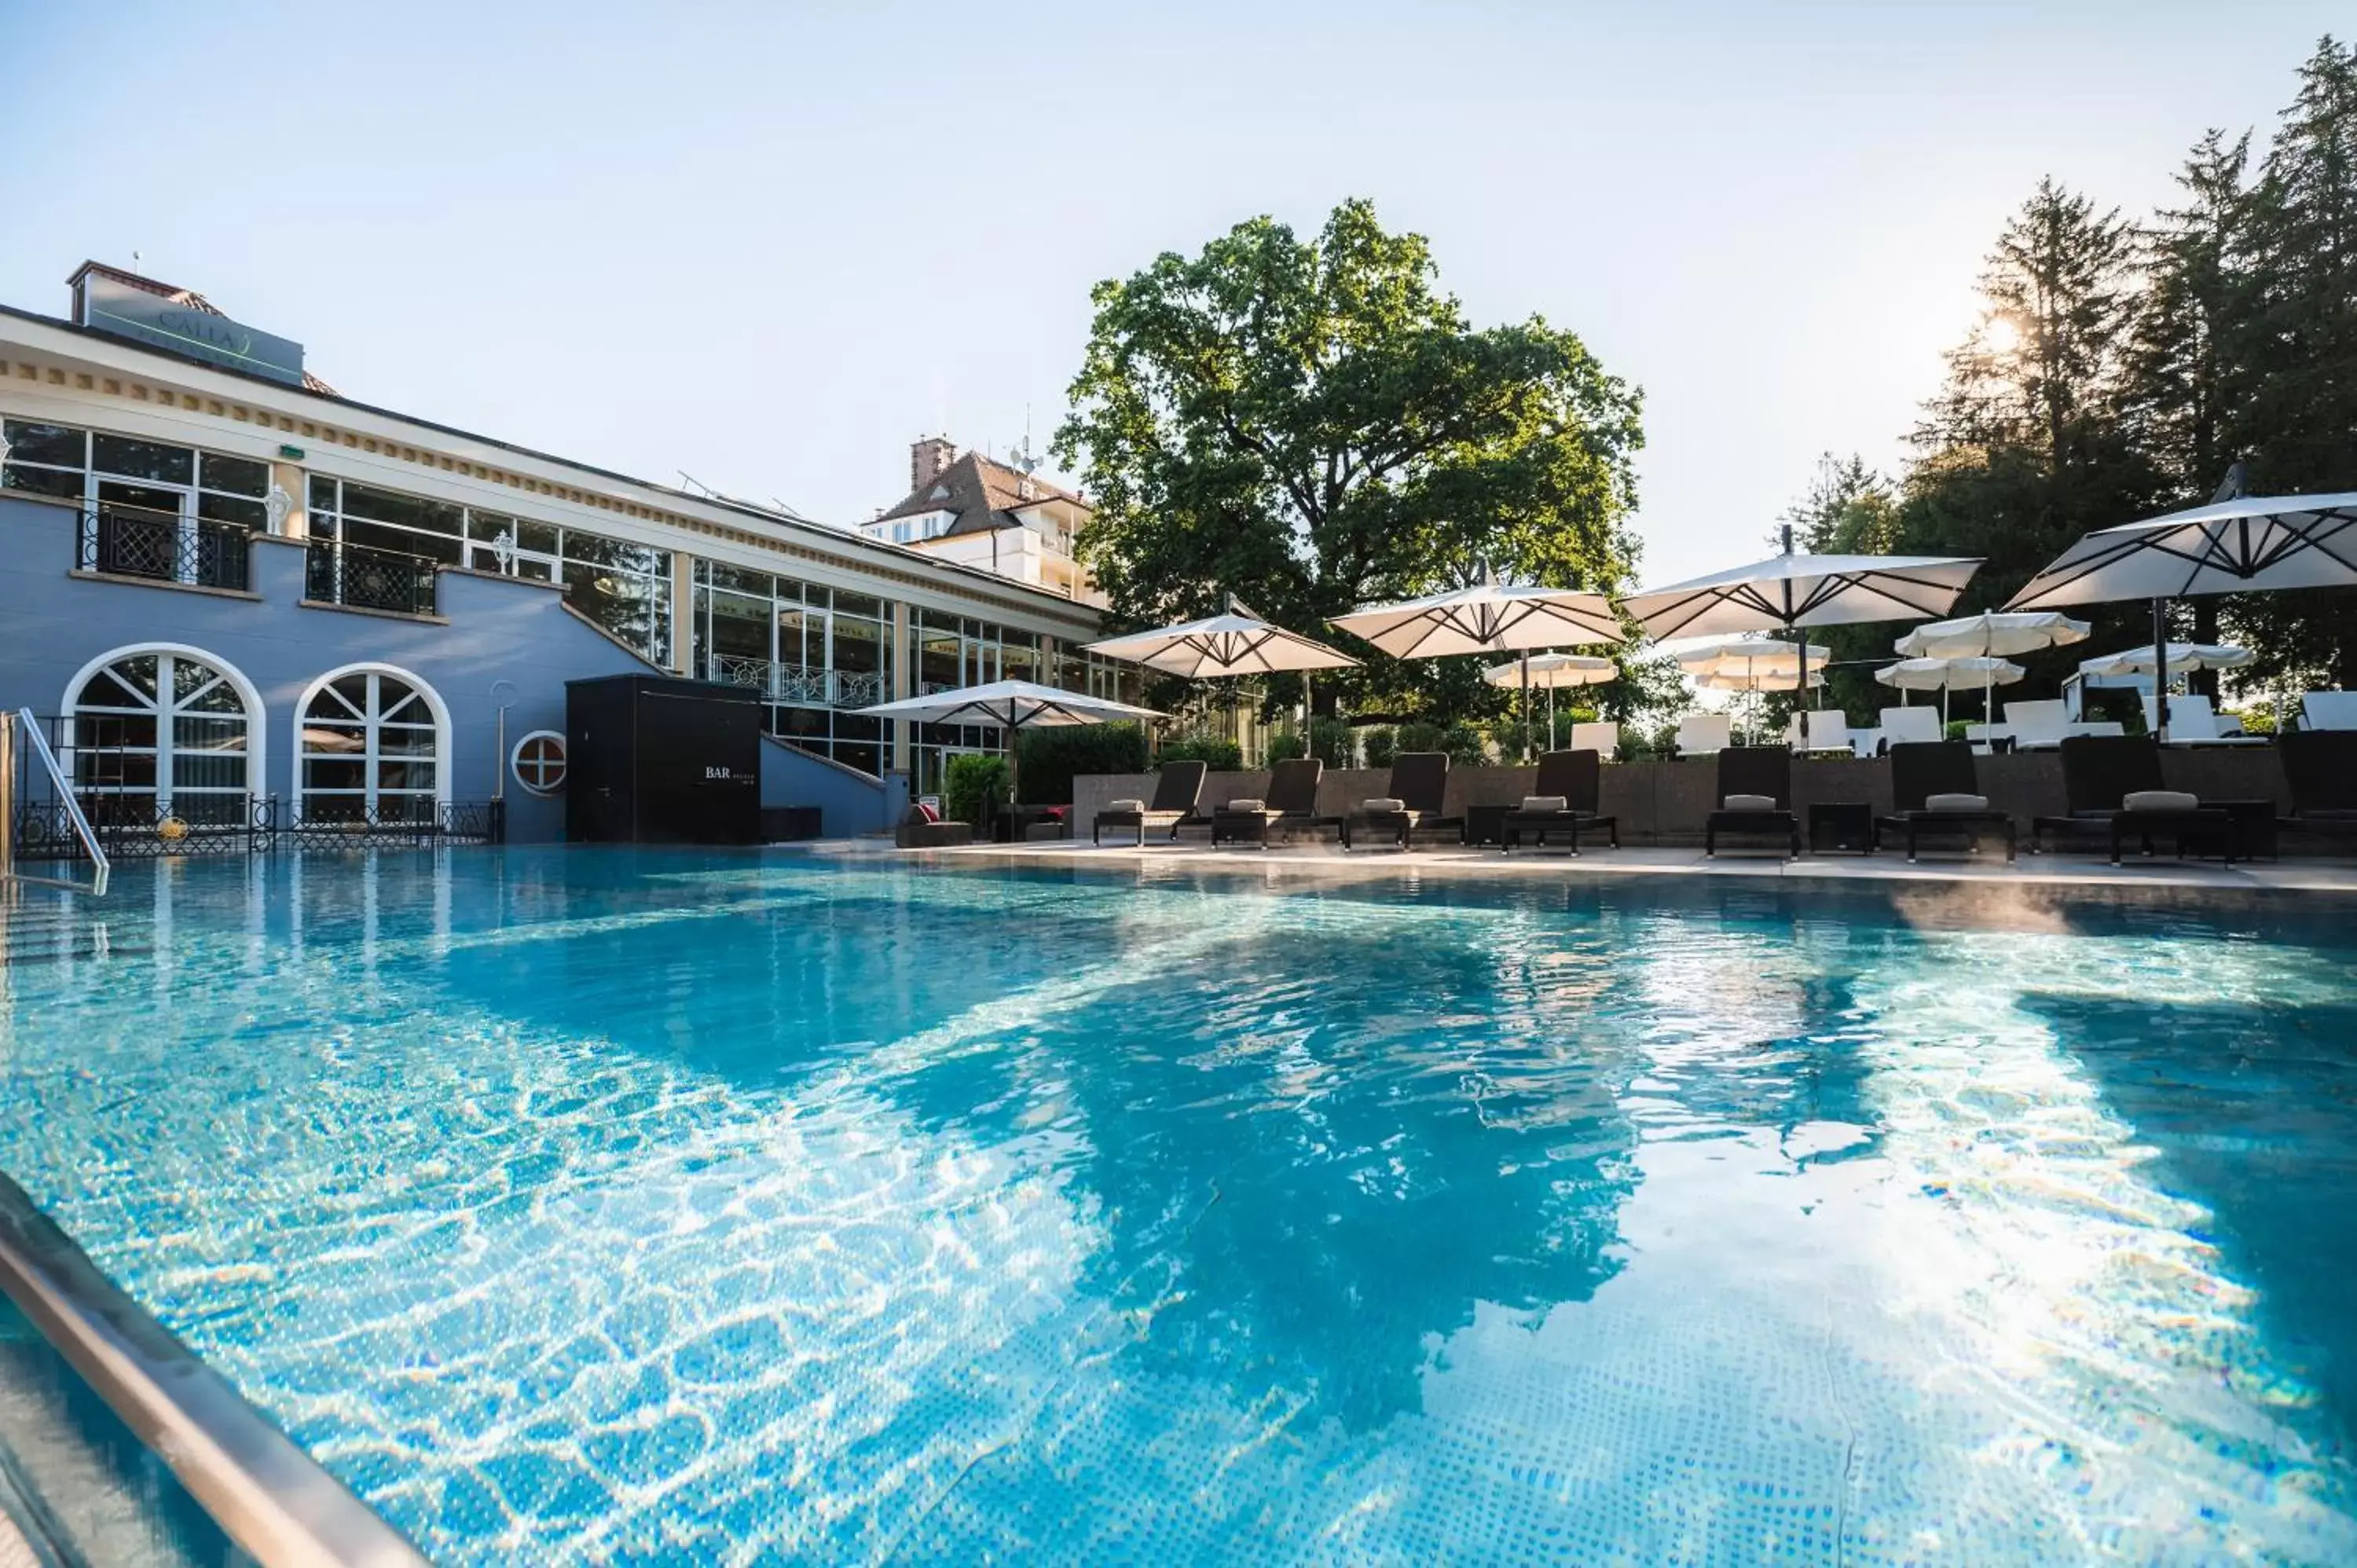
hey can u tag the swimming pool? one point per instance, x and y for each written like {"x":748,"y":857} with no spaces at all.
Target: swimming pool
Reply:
{"x":581,"y":1206}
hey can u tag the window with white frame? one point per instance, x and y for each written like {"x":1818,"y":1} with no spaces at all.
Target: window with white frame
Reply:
{"x":154,"y":733}
{"x":370,"y":749}
{"x":539,"y":762}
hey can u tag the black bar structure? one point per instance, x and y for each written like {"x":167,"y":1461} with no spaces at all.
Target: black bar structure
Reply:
{"x":656,"y":759}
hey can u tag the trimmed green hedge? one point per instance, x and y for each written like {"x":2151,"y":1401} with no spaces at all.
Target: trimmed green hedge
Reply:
{"x":1053,"y":757}
{"x":970,"y":781}
{"x":1219,"y":756}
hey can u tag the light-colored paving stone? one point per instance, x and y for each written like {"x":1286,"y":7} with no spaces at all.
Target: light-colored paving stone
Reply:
{"x":2049,"y":871}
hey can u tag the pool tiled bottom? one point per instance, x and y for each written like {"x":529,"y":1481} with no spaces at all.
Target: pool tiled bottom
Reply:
{"x":634,"y":1208}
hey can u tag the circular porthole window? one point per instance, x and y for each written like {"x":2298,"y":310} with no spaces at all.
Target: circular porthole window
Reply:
{"x":539,"y":762}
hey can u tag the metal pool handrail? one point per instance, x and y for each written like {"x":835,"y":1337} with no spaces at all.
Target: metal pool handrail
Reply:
{"x":269,"y":1496}
{"x":31,"y":728}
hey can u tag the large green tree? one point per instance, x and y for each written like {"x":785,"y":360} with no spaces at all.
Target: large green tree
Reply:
{"x":2296,"y":421}
{"x":2184,"y":375}
{"x":1311,"y":423}
{"x":2028,"y":443}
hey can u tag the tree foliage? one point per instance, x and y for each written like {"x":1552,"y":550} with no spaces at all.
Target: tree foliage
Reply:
{"x":2118,"y":370}
{"x":1311,"y":424}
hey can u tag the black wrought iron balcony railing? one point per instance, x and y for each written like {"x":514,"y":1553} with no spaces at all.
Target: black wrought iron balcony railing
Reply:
{"x":337,"y":572}
{"x":164,"y":547}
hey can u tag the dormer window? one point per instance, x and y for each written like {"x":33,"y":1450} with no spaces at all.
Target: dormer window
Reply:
{"x":940,"y":493}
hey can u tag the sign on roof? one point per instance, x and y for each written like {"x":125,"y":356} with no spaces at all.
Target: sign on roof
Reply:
{"x":110,"y":304}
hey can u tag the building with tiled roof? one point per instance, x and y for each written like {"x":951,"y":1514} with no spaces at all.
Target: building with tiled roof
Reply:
{"x":993,"y":516}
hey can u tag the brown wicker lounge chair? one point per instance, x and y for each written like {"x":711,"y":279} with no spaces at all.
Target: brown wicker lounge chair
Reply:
{"x":1420,"y":785}
{"x":1291,"y":803}
{"x":917,"y":830}
{"x":2102,"y":774}
{"x":2321,"y":767}
{"x":1922,"y":772}
{"x":1577,"y":778}
{"x":1176,"y":790}
{"x":1746,"y":773}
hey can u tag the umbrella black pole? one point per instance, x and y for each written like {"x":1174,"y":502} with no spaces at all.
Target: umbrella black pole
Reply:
{"x":2160,"y":668}
{"x":1526,"y":708}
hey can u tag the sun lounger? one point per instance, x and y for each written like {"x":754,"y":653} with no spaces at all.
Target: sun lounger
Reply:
{"x":2193,"y":722}
{"x":1574,"y":778}
{"x":1910,"y":723}
{"x":2320,"y":767}
{"x":1937,"y":791}
{"x":1755,"y":794}
{"x":1825,"y":729}
{"x":2113,"y":785}
{"x":1419,"y":786}
{"x":1701,"y":735}
{"x":1601,"y":736}
{"x":1176,"y":792}
{"x":1291,"y":802}
{"x":2328,"y":710}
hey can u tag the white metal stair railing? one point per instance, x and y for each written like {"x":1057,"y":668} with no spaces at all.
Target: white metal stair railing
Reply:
{"x":23,"y":724}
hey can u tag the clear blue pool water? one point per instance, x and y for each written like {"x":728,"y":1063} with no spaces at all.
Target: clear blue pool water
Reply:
{"x":601,"y":1206}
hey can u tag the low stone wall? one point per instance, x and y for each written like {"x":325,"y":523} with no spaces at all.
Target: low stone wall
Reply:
{"x":1665,"y":802}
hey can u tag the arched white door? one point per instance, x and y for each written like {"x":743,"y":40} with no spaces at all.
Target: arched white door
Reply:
{"x":160,"y":731}
{"x":371,"y":745}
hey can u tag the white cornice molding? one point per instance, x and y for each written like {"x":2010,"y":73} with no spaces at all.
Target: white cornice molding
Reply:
{"x":836,"y":558}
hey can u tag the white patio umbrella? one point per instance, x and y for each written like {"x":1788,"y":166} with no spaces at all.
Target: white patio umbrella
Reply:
{"x":2183,"y":659}
{"x":1758,"y":676}
{"x":1790,"y":592}
{"x":1009,"y":704}
{"x":1236,"y":643}
{"x":1550,"y":671}
{"x":1489,"y":616}
{"x":1997,"y":634}
{"x":2237,"y":543}
{"x":1945,"y":675}
{"x":1743,"y":653}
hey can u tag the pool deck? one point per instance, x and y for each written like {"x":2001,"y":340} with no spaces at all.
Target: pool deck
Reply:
{"x":2292,"y":875}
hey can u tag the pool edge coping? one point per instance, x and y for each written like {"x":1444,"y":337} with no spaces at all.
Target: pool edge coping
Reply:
{"x":277,"y":1502}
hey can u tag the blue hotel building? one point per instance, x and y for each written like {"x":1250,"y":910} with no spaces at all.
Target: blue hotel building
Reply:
{"x":227,"y":588}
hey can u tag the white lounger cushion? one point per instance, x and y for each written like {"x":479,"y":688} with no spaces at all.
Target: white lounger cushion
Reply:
{"x":2161,"y":800}
{"x":1750,"y":803}
{"x":1536,"y":803}
{"x":1955,"y":802}
{"x":1115,"y":808}
{"x":1248,"y":803}
{"x":1381,"y":804}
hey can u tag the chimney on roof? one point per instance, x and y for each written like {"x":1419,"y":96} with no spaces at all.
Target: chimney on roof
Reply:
{"x":928,"y":459}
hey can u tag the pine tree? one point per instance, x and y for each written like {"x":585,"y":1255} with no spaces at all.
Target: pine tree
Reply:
{"x":2027,"y":446}
{"x":2042,"y":371}
{"x":2298,"y":425}
{"x":2184,"y":377}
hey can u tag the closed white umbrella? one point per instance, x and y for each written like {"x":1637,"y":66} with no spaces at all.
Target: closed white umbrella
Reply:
{"x":1550,"y":671}
{"x":1009,"y":704}
{"x":1790,"y":592}
{"x":1489,"y":616}
{"x":1944,"y":675}
{"x":1997,"y":634}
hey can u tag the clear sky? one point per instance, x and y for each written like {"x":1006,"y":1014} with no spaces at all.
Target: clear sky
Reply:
{"x":768,"y":245}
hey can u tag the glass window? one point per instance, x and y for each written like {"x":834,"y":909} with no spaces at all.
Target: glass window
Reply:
{"x":54,"y":445}
{"x":238,"y":476}
{"x":158,"y":735}
{"x":371,"y":751}
{"x":404,"y":511}
{"x":539,"y":762}
{"x":61,"y":482}
{"x":634,"y":608}
{"x":143,"y":460}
